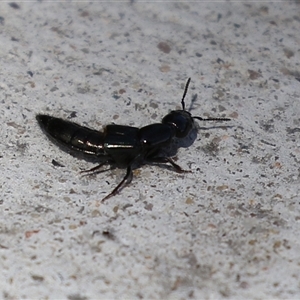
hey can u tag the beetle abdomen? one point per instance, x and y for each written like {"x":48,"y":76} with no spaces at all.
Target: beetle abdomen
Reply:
{"x":72,"y":136}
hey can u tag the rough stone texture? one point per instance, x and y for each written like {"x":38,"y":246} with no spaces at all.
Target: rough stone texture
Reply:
{"x":230,"y":229}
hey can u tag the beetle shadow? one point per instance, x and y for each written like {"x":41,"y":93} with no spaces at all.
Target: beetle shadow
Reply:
{"x":190,"y":139}
{"x":172,"y":150}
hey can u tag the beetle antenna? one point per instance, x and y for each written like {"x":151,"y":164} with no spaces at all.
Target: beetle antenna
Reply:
{"x":184,"y":93}
{"x":212,"y":119}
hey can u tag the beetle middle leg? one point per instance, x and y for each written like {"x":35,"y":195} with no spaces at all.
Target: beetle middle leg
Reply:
{"x":126,"y":180}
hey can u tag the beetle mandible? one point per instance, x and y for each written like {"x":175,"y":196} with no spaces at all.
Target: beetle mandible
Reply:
{"x":123,"y":146}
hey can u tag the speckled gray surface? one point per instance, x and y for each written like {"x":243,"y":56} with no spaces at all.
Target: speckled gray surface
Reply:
{"x":230,"y":229}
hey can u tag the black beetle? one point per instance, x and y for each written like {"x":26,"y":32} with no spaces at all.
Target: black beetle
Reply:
{"x":123,"y":146}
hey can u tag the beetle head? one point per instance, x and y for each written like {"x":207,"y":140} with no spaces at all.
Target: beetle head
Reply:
{"x":182,"y":120}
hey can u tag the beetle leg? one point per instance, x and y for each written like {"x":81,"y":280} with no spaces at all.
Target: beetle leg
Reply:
{"x":94,"y":169}
{"x":126,"y":180}
{"x":165,"y":160}
{"x":176,"y":167}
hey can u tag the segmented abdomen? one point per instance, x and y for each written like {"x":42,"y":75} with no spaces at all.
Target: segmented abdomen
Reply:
{"x":72,"y":136}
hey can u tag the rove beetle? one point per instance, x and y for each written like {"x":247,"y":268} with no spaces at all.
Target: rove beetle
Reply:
{"x":123,"y":146}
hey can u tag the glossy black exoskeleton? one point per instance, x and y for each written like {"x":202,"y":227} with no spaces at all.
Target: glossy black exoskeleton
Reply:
{"x":123,"y":146}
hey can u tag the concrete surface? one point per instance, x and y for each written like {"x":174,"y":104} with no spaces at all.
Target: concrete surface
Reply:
{"x":230,"y":229}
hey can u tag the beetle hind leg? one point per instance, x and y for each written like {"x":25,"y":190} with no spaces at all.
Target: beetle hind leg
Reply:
{"x":95,"y":170}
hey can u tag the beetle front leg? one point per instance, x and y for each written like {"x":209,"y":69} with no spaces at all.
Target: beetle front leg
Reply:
{"x":165,"y":160}
{"x":177,"y":167}
{"x":126,"y":180}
